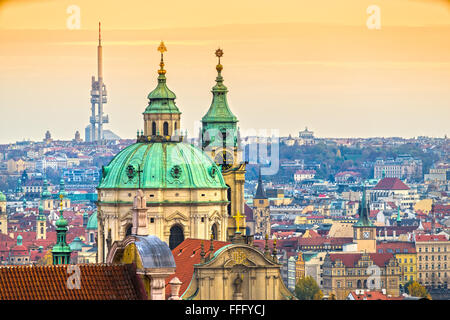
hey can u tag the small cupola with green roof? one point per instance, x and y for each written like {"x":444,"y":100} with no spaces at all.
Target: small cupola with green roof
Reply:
{"x":61,"y":250}
{"x":219,"y":124}
{"x":161,"y":117}
{"x":45,"y":193}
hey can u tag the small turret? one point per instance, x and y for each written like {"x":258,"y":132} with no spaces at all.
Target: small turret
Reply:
{"x":61,"y":250}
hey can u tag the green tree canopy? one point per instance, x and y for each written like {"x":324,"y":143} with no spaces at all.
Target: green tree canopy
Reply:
{"x":413,"y":288}
{"x":307,"y":289}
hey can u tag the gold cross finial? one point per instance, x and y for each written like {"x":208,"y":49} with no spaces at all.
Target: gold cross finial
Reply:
{"x":162,"y":48}
{"x":238,"y":218}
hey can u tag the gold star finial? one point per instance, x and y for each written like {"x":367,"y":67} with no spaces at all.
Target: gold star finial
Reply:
{"x":162,"y":48}
{"x":219,"y":54}
{"x":238,"y":218}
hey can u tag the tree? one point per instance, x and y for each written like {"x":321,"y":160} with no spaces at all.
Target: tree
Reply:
{"x":307,"y":289}
{"x":416,"y":290}
{"x":318,"y":295}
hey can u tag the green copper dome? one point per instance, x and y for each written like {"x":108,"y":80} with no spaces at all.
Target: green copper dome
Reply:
{"x":92,"y":222}
{"x":61,"y":222}
{"x":76,"y":244}
{"x":163,"y":165}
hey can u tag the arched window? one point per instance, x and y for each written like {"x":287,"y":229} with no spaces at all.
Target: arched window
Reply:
{"x":128,"y":230}
{"x":176,"y":236}
{"x":175,"y":124}
{"x":214,"y":231}
{"x":153,"y":128}
{"x":166,"y":129}
{"x":359,"y":284}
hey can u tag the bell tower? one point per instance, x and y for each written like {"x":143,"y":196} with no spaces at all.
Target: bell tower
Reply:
{"x":364,"y":232}
{"x":220,"y":139}
{"x":261,"y":211}
{"x":41,"y":224}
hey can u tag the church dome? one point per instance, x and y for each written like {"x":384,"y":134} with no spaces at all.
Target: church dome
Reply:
{"x":162,"y":165}
{"x":92,"y":222}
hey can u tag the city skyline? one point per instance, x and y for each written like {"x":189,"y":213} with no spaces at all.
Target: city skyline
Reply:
{"x":324,"y":69}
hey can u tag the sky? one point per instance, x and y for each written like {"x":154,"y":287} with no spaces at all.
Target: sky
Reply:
{"x":287,"y":64}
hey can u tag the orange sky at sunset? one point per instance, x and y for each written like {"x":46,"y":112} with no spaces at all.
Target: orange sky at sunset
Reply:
{"x":287,"y":64}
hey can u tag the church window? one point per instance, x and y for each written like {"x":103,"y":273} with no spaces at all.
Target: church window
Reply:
{"x":166,"y":128}
{"x":176,"y":236}
{"x":203,"y":219}
{"x":154,"y":128}
{"x":152,"y":220}
{"x":214,"y":231}
{"x":128,"y":230}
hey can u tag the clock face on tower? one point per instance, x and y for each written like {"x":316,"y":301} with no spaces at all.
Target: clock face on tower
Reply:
{"x":225,"y":159}
{"x":366,"y":234}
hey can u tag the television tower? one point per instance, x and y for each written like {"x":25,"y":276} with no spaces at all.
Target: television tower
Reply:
{"x":94,"y":132}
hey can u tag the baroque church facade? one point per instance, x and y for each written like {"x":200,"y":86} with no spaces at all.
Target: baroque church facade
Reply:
{"x":188,"y":192}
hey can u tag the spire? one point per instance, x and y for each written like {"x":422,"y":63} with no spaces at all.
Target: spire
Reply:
{"x":364,"y":211}
{"x":260,"y":193}
{"x":62,"y":188}
{"x":219,"y":110}
{"x":161,"y":99}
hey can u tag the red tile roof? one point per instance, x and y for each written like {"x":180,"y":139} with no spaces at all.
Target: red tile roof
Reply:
{"x":429,"y":237}
{"x":384,"y":246}
{"x":391,"y":184}
{"x":186,"y":254}
{"x":350,"y":259}
{"x":373,"y":295}
{"x":97,"y":282}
